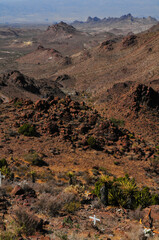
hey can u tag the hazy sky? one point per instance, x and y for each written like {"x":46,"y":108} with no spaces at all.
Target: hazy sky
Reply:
{"x":56,"y":10}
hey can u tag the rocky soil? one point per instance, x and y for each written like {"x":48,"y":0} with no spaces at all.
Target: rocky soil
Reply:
{"x":71,"y":149}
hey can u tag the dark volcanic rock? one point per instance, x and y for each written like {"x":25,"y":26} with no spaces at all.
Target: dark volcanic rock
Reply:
{"x":48,"y":91}
{"x":62,"y":78}
{"x":129,"y":41}
{"x":144,"y":95}
{"x":17,"y":190}
{"x":73,"y":122}
{"x":107,"y":44}
{"x":24,"y":192}
{"x":42,"y":105}
{"x":21,"y":81}
{"x":16,"y":80}
{"x":62,"y":27}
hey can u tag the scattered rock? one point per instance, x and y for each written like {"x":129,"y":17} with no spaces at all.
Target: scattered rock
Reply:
{"x":129,"y":41}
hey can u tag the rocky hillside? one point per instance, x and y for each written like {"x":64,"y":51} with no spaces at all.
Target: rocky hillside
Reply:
{"x":56,"y":154}
{"x":60,"y":31}
{"x":61,"y":28}
{"x":137,"y":105}
{"x":68,"y":40}
{"x":132,"y":58}
{"x":42,"y":56}
{"x":15,"y":84}
{"x":76,"y":125}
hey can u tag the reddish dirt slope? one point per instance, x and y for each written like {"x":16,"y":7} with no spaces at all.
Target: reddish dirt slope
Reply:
{"x":42,"y":55}
{"x":137,"y":104}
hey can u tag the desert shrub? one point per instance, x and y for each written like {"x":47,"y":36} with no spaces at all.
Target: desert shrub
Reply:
{"x":29,"y":222}
{"x":91,"y":142}
{"x":154,"y":162}
{"x":3,"y":163}
{"x":5,"y":170}
{"x":18,"y":103}
{"x":53,"y":204}
{"x":72,"y":178}
{"x":28,"y":130}
{"x":8,"y":236}
{"x":136,"y":214}
{"x":48,"y":187}
{"x":35,"y":159}
{"x":116,"y":163}
{"x":131,"y":136}
{"x":103,"y":170}
{"x":96,"y":203}
{"x":68,"y":222}
{"x":124,"y":192}
{"x":117,"y":122}
{"x":71,"y":207}
{"x":48,"y":204}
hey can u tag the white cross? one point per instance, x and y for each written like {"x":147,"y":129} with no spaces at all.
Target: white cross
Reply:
{"x":1,"y":176}
{"x":95,"y":219}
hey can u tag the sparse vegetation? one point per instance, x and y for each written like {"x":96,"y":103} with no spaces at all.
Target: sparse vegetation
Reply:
{"x":3,"y":163}
{"x":131,"y":136}
{"x":117,"y":122}
{"x":65,"y":201}
{"x":154,"y":163}
{"x":124,"y":192}
{"x":68,"y":222}
{"x":28,"y":129}
{"x":5,"y":170}
{"x":28,"y":222}
{"x":91,"y":142}
{"x":8,"y":236}
{"x":18,"y":103}
{"x":116,"y":163}
{"x":35,"y":159}
{"x":72,"y":207}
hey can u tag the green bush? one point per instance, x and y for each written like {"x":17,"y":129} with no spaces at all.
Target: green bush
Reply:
{"x":28,"y":130}
{"x":68,"y":222}
{"x":124,"y":192}
{"x":91,"y":142}
{"x":35,"y":159}
{"x":3,"y":163}
{"x":117,"y":122}
{"x":5,"y":170}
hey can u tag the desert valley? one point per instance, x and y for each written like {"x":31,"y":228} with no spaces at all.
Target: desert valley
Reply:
{"x":79,"y":130}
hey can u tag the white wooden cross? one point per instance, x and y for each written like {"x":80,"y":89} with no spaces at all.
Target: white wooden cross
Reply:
{"x":94,"y":219}
{"x":1,"y":176}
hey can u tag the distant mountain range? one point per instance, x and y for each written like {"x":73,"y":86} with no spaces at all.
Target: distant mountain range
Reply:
{"x":124,"y":24}
{"x":129,"y":17}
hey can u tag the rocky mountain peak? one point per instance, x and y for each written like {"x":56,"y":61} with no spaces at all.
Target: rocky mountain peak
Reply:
{"x":94,"y":19}
{"x":62,"y":27}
